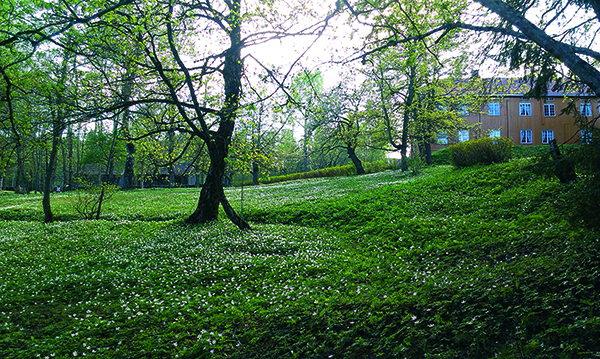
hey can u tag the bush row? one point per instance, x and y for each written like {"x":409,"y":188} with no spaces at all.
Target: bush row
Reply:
{"x":346,"y":170}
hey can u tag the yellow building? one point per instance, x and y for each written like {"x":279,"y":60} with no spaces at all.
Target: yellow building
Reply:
{"x":528,"y":121}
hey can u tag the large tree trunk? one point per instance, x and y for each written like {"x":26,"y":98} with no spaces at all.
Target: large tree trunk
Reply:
{"x":212,"y":193}
{"x":357,"y":163}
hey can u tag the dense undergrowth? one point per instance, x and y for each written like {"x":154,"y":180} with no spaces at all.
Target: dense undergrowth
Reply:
{"x":481,"y":262}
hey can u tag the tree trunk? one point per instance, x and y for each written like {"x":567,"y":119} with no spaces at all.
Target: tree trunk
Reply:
{"x":21,"y":185}
{"x":428,"y":158}
{"x":357,"y":163}
{"x":51,"y":170}
{"x":70,"y":137}
{"x":65,"y":179}
{"x":408,"y":111}
{"x":254,"y":174}
{"x":563,"y":168}
{"x":212,"y":193}
{"x":128,"y":173}
{"x":58,"y":127}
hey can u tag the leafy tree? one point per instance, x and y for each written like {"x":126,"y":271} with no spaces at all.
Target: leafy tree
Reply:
{"x":306,"y":88}
{"x":204,"y":84}
{"x":287,"y":152}
{"x":97,"y":155}
{"x":341,"y":120}
{"x":534,"y":35}
{"x":255,"y":139}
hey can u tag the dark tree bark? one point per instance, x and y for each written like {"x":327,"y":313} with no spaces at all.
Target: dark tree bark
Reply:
{"x":410,"y":98}
{"x":70,"y":138}
{"x":212,"y":193}
{"x":255,"y":173}
{"x":57,"y":131}
{"x":563,"y":168}
{"x":427,"y":148}
{"x":128,"y":181}
{"x":128,"y":173}
{"x":110,"y":165}
{"x":357,"y":163}
{"x":58,"y":127}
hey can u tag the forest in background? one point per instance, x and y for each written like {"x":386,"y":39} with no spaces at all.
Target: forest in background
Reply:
{"x":135,"y":93}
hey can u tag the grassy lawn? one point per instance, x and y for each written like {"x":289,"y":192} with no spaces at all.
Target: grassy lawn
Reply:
{"x":474,"y":263}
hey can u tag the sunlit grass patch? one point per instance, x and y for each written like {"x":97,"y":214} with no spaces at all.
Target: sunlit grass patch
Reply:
{"x":139,"y":286}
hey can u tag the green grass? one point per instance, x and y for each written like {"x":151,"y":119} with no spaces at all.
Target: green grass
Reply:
{"x":472,"y":263}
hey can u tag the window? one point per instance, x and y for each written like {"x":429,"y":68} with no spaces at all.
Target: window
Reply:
{"x":494,"y":109}
{"x":495,"y":133}
{"x":586,"y":136}
{"x":585,"y":108}
{"x":525,"y":136}
{"x":549,"y":110}
{"x":525,"y":109}
{"x":547,"y":136}
{"x":463,"y":135}
{"x":442,"y":138}
{"x":549,"y":99}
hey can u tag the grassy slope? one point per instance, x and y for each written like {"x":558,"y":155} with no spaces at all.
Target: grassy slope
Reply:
{"x":471,"y":263}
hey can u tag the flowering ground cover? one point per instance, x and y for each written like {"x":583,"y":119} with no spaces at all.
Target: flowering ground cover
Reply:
{"x":480,"y":262}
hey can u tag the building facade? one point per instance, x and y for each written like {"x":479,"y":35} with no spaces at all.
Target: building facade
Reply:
{"x":528,"y":121}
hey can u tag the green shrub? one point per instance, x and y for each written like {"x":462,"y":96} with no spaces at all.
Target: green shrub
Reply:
{"x":441,"y":157}
{"x":483,"y":151}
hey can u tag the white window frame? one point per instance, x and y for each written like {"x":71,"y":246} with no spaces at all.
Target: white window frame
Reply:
{"x":463,"y":135}
{"x":585,"y":108}
{"x":586,"y":136}
{"x":524,"y":108}
{"x":494,"y":108}
{"x":547,"y":136}
{"x":526,"y":136}
{"x":549,"y":110}
{"x":495,"y":133}
{"x":442,"y":138}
